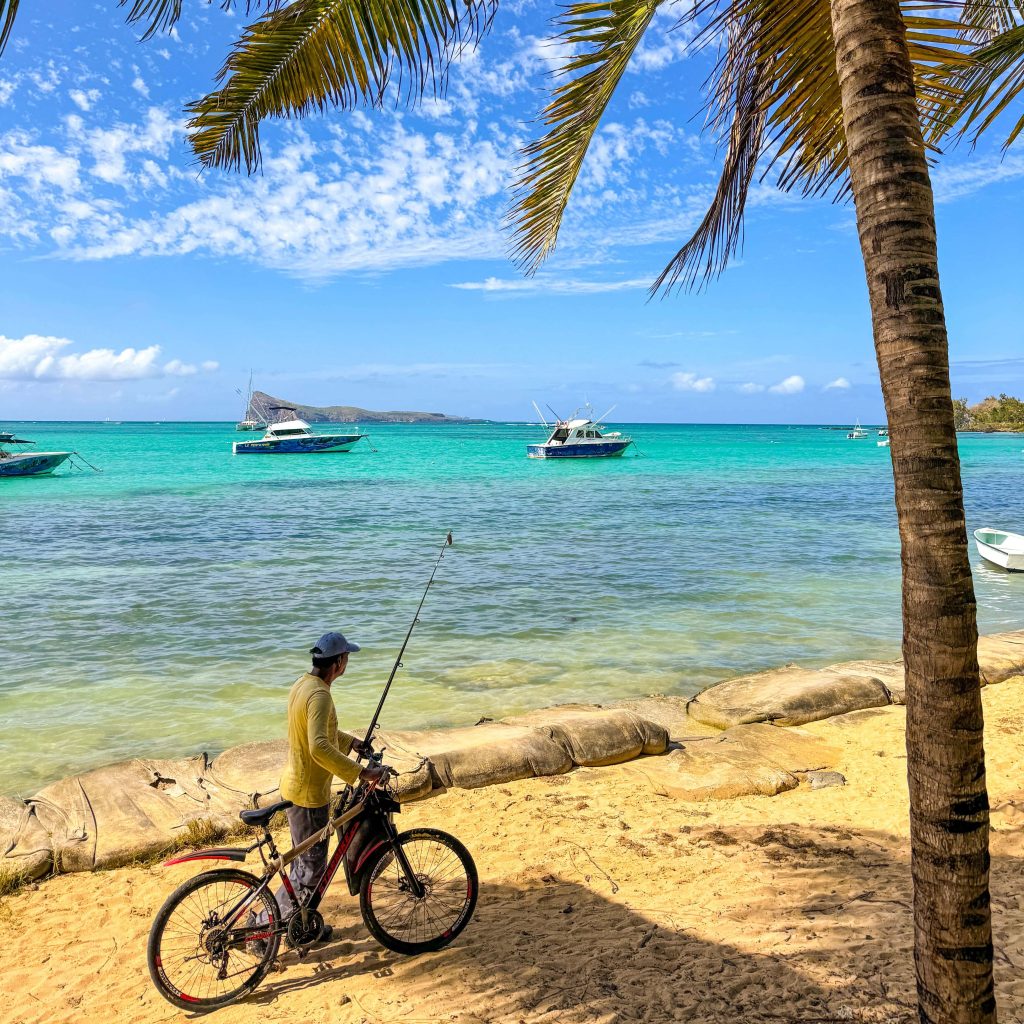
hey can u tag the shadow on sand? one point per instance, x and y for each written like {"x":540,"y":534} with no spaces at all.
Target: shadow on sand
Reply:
{"x":829,"y":939}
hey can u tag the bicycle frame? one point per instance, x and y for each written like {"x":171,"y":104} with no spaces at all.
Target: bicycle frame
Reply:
{"x":277,"y":864}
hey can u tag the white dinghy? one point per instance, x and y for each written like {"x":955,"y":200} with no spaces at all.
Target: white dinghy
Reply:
{"x":1001,"y":548}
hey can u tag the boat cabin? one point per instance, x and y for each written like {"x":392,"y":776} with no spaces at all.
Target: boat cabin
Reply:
{"x":289,"y":428}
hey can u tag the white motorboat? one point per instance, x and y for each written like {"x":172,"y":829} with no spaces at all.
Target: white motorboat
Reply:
{"x":857,"y":433}
{"x":27,"y":463}
{"x":1001,"y":548}
{"x":579,"y":438}
{"x":295,"y":437}
{"x":884,"y":443}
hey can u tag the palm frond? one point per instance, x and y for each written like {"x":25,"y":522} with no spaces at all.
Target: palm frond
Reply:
{"x":740,"y":99}
{"x":979,"y":91}
{"x":318,"y":53}
{"x":8,"y":12}
{"x":773,"y":101}
{"x":160,"y":16}
{"x":783,"y":53}
{"x":601,"y":37}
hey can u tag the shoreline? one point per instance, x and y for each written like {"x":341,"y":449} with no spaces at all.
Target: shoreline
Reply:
{"x":735,"y":738}
{"x":613,"y":898}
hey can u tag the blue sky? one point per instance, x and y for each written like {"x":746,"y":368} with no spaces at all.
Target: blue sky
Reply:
{"x":367,"y":265}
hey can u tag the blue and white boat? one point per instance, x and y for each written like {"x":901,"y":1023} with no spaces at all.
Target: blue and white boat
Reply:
{"x":27,"y":463}
{"x":579,"y":438}
{"x":295,"y":437}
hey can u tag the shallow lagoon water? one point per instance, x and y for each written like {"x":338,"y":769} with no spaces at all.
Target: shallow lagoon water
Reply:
{"x":165,"y":605}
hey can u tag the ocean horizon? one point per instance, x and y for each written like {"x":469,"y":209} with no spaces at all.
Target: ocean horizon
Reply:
{"x":164,"y":606}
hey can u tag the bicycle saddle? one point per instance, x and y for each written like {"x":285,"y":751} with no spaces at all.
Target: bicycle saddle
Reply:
{"x":262,"y":815}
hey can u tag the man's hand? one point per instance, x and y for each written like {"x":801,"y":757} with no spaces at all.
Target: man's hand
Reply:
{"x":362,"y":747}
{"x":373,"y":773}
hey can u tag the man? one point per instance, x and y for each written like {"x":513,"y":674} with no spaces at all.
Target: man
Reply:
{"x":317,"y":752}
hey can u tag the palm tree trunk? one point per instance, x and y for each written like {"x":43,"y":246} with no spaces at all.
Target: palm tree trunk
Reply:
{"x":945,"y":754}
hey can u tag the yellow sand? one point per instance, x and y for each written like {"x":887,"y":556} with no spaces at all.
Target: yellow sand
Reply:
{"x":599,"y":902}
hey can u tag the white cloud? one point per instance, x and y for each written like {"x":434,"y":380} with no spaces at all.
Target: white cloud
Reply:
{"x":952,"y":181}
{"x":84,"y":99}
{"x":691,"y":382}
{"x":139,"y":85}
{"x":7,"y":87}
{"x":751,"y":388}
{"x":665,"y":41}
{"x":41,"y":357}
{"x":533,"y":285}
{"x":790,"y":386}
{"x":840,"y":384}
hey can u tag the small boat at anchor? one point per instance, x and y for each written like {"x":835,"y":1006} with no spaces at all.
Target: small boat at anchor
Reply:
{"x":1001,"y":548}
{"x":579,"y":438}
{"x":295,"y":437}
{"x":252,"y":418}
{"x":27,"y":463}
{"x":857,"y":433}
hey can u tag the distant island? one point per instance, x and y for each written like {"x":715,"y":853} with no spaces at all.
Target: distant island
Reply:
{"x":262,"y":406}
{"x":1004,"y":414}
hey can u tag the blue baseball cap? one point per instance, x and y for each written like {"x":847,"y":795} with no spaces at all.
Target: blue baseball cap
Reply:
{"x":331,"y":645}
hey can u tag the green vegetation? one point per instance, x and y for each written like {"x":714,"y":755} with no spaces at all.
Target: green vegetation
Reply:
{"x":1002,"y":413}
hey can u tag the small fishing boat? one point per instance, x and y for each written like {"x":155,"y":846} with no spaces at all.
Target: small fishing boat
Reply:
{"x":884,"y":443}
{"x":252,"y":417}
{"x":27,"y":463}
{"x":1001,"y":548}
{"x":295,"y":437}
{"x":883,"y":432}
{"x":579,"y":438}
{"x":857,"y":433}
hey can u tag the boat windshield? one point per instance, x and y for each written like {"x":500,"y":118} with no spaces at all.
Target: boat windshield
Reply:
{"x":289,"y":433}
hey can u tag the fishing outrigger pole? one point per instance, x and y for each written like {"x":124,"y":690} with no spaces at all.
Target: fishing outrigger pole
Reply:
{"x":398,"y":661}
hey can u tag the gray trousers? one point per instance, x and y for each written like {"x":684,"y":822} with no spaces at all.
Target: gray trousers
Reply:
{"x":305,"y":871}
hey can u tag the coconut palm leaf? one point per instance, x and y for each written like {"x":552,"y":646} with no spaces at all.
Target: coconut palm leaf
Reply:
{"x":983,"y":89}
{"x":601,"y":38}
{"x":162,"y":15}
{"x":8,"y":12}
{"x":773,"y":99}
{"x":313,"y":54}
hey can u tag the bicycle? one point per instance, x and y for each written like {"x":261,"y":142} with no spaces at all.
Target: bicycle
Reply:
{"x":218,"y":934}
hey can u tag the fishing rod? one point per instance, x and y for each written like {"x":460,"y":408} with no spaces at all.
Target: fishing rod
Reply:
{"x":398,"y":661}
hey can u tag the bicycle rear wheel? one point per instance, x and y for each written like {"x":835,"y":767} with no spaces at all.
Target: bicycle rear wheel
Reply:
{"x":394,"y":915}
{"x":198,"y":960}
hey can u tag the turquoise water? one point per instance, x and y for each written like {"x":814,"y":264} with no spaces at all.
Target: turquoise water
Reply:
{"x":165,"y":605}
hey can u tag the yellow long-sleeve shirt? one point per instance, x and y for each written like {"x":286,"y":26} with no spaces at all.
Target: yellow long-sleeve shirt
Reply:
{"x":316,"y":749}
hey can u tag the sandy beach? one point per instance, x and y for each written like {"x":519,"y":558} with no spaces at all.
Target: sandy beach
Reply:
{"x":600,"y":901}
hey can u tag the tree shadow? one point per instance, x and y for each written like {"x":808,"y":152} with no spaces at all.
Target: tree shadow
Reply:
{"x":825,"y":934}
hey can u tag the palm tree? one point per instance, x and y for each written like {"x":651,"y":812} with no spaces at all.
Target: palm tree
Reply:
{"x":827,"y":92}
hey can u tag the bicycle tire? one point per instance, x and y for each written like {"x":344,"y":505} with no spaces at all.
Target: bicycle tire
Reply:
{"x":399,"y":921}
{"x":162,"y":957}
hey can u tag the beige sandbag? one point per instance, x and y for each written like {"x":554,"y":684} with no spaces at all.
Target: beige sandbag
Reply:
{"x":890,"y":673}
{"x":594,"y":736}
{"x":112,"y":815}
{"x":415,"y":779}
{"x":25,"y":847}
{"x":746,"y":760}
{"x":786,"y":696}
{"x":1001,"y":656}
{"x":484,"y":755}
{"x":793,"y":749}
{"x":669,"y":713}
{"x":251,"y":772}
{"x":709,"y":770}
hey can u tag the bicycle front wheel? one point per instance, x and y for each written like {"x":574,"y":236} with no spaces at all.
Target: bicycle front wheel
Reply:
{"x":203,"y":955}
{"x":394,"y":915}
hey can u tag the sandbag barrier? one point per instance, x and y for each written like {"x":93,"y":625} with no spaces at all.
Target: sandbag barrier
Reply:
{"x":725,"y":742}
